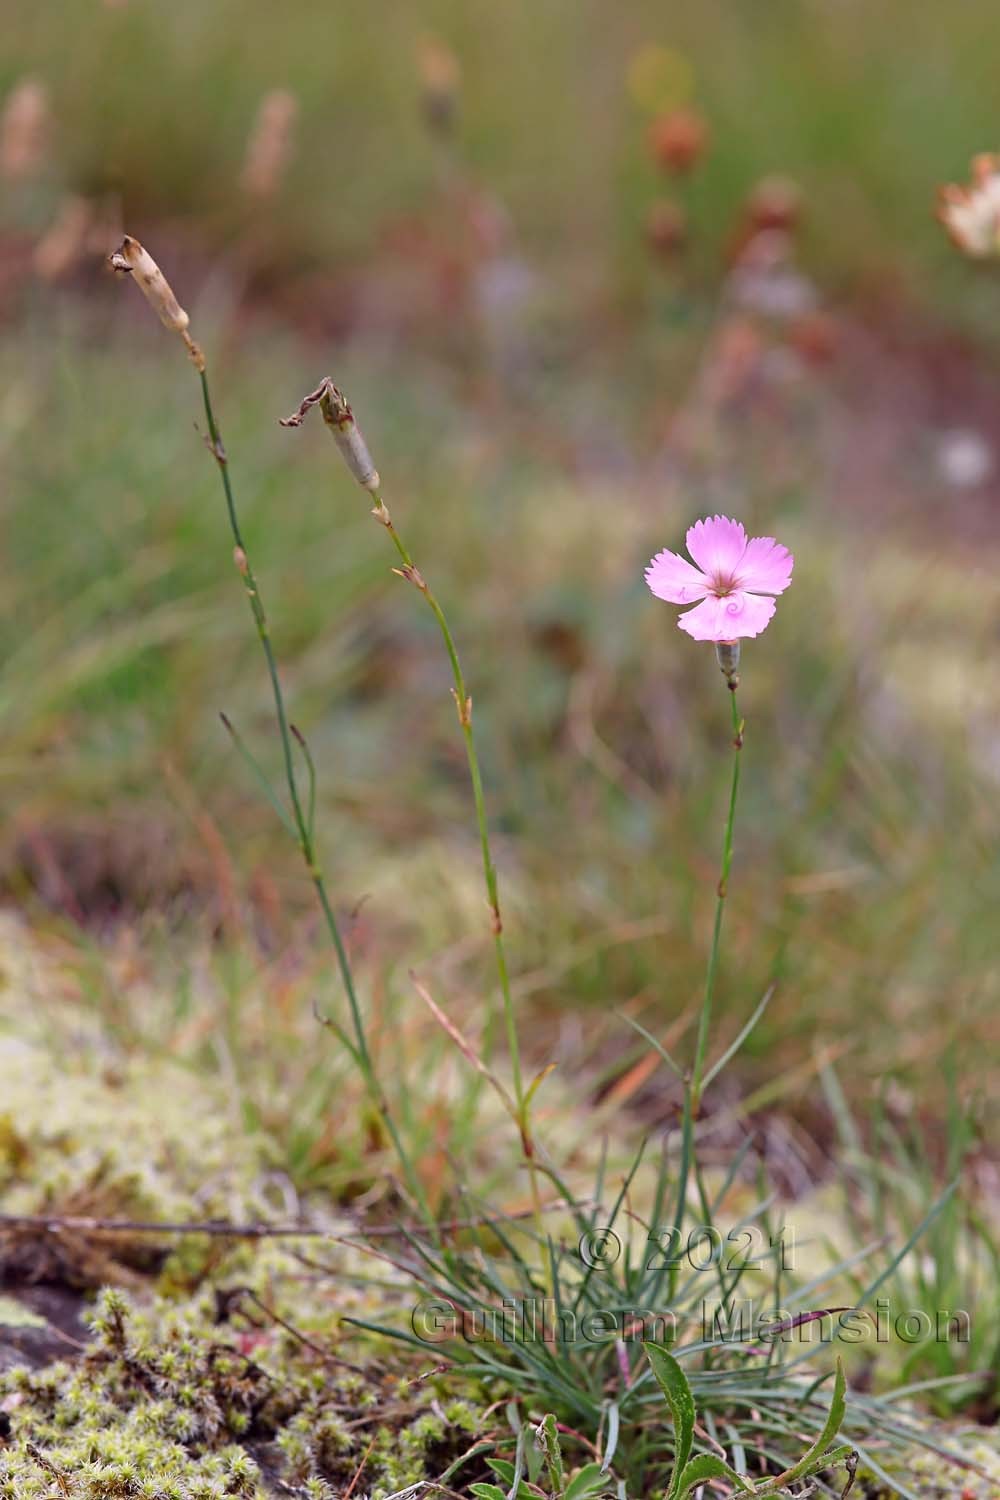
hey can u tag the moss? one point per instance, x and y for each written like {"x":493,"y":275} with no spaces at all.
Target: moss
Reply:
{"x":221,"y":1372}
{"x":166,"y":1403}
{"x":934,"y":1478}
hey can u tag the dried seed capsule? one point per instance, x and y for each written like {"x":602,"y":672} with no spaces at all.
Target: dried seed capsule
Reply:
{"x":131,"y":257}
{"x":339,"y":417}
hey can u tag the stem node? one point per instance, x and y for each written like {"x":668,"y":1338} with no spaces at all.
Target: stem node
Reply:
{"x":412,"y":575}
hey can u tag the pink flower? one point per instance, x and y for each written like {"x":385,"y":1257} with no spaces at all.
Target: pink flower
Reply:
{"x":734,"y":580}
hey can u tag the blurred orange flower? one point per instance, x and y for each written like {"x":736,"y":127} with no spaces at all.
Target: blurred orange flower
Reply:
{"x":678,"y":140}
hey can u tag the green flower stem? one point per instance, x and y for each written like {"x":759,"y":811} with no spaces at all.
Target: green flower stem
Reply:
{"x":358,"y":1048}
{"x":713,"y":956}
{"x":463,"y":703}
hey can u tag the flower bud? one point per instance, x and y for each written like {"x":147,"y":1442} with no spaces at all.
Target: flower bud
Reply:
{"x":727,"y":654}
{"x":339,"y":417}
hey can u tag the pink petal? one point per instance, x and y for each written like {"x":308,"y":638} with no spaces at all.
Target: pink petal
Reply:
{"x":729,"y":619}
{"x":766,"y":567}
{"x":673,"y":578}
{"x":717,"y":545}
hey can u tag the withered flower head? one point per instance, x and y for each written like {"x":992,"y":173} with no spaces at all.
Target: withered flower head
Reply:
{"x":132,"y":259}
{"x":339,"y":417}
{"x":971,"y":215}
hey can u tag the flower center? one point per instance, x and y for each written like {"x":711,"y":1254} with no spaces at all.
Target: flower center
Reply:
{"x":724,"y":584}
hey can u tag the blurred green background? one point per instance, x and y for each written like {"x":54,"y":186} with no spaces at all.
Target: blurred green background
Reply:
{"x":455,"y":221}
{"x":867,"y":107}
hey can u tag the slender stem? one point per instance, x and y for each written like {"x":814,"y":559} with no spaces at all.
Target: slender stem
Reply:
{"x":464,"y":705}
{"x":358,"y":1048}
{"x":713,"y":956}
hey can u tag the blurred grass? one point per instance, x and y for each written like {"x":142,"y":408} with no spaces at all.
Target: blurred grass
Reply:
{"x":533,"y":476}
{"x":547,"y":410}
{"x":868,"y":107}
{"x":866,"y":874}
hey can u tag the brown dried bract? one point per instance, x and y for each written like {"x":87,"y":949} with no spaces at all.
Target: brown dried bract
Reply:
{"x":327,"y":388}
{"x":339,"y":417}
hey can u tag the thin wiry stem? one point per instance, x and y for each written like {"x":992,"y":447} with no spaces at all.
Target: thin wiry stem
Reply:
{"x":713,"y":955}
{"x":339,"y":418}
{"x":358,"y":1048}
{"x":463,"y":703}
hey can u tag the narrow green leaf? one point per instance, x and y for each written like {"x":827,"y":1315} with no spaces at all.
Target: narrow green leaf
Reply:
{"x":816,"y":1456}
{"x":707,"y":1466}
{"x":778,"y":1486}
{"x":476,"y":1451}
{"x":311,"y":769}
{"x":614,"y":1426}
{"x":506,"y":1471}
{"x":739,"y":1039}
{"x":924,"y":1224}
{"x":259,"y":777}
{"x":534,"y":1459}
{"x":515,"y":1486}
{"x":537,"y":1082}
{"x":586,"y":1482}
{"x":674,"y":1385}
{"x":487,"y":1492}
{"x":656,"y":1046}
